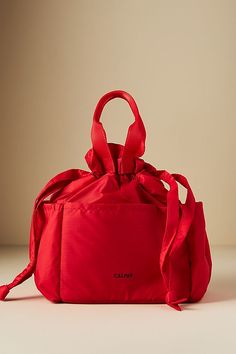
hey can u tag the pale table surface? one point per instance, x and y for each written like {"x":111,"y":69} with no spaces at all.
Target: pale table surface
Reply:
{"x":31,"y":324}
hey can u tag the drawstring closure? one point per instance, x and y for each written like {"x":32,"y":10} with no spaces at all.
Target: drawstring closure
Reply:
{"x":176,"y":231}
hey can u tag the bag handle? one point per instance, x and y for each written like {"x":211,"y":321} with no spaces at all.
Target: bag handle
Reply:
{"x":135,"y":140}
{"x":176,"y":230}
{"x":56,"y":183}
{"x":172,"y":218}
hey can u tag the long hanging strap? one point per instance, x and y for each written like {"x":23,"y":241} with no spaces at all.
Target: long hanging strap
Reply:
{"x":56,"y":183}
{"x":176,"y":230}
{"x":172,"y":221}
{"x":187,"y":214}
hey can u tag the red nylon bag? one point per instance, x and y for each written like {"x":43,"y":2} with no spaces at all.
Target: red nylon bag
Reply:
{"x":117,"y":234}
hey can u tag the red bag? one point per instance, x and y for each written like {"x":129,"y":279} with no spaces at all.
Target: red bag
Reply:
{"x":116,"y":234}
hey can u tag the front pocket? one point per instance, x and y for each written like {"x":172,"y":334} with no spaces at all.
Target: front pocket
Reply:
{"x":110,"y":253}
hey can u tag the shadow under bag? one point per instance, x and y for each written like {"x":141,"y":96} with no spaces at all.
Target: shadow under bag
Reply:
{"x":117,"y":234}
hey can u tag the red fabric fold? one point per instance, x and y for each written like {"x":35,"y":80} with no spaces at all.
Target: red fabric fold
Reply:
{"x":4,"y":290}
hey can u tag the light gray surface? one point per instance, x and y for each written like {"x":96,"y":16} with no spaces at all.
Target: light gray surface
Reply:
{"x":33,"y":325}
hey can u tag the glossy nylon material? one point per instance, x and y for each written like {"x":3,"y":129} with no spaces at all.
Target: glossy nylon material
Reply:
{"x":117,"y":234}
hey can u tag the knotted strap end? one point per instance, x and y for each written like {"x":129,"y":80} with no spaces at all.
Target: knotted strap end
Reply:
{"x":174,"y":306}
{"x":173,"y":302}
{"x":4,"y":290}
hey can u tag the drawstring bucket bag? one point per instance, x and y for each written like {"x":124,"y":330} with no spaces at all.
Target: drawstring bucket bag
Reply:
{"x":117,"y":234}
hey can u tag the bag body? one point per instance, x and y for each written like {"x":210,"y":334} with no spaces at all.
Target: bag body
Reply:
{"x":117,"y":234}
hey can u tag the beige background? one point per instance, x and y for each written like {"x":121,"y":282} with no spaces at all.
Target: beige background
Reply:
{"x":177,"y":58}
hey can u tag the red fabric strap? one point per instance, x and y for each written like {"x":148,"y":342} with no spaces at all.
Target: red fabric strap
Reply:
{"x":176,"y":229}
{"x":56,"y":183}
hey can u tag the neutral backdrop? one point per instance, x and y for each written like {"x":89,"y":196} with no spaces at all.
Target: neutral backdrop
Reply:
{"x":177,"y":58}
